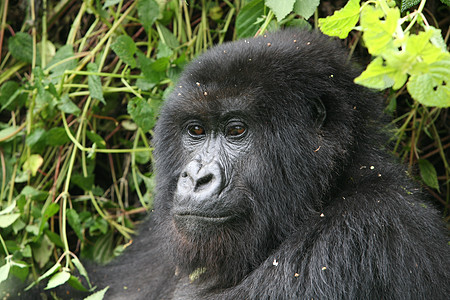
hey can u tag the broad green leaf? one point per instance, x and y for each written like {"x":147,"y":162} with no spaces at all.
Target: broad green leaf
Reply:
{"x":7,"y":134}
{"x":400,"y":64}
{"x":406,"y":4}
{"x":167,"y":36}
{"x":67,"y":106}
{"x":246,"y":20}
{"x":54,"y":238}
{"x":56,"y":136}
{"x":109,"y":3}
{"x":96,"y":139}
{"x":421,"y":49}
{"x":8,"y":209}
{"x":148,"y":12}
{"x":4,"y":271}
{"x":94,"y":83}
{"x":85,"y":183}
{"x":74,"y":222}
{"x":125,"y":48}
{"x":43,"y":251}
{"x":281,"y":8}
{"x":33,"y":193}
{"x":436,"y":38}
{"x":33,"y":163}
{"x":163,"y":50}
{"x":62,"y":61}
{"x":6,"y":220}
{"x":58,"y":279}
{"x":11,"y":96}
{"x":146,"y":65}
{"x":342,"y":21}
{"x":50,"y":211}
{"x":446,"y":2}
{"x":97,"y":295}
{"x":306,"y":8}
{"x":21,"y":48}
{"x":377,"y":75}
{"x":76,"y":284}
{"x":428,"y":173}
{"x":49,"y":272}
{"x":81,"y":269}
{"x":432,"y":88}
{"x":36,"y":139}
{"x":378,"y":34}
{"x":142,"y":113}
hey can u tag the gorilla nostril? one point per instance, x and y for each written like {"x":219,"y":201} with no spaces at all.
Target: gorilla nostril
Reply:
{"x":203,"y":181}
{"x":184,"y":174}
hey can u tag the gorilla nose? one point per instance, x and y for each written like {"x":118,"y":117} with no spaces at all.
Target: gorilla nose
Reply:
{"x":201,"y":181}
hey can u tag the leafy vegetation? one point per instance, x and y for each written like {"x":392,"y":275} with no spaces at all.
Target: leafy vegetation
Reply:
{"x":81,"y":83}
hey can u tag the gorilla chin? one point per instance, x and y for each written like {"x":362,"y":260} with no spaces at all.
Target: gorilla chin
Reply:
{"x":190,"y":223}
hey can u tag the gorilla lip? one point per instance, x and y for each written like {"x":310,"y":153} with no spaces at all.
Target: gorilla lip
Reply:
{"x":202,"y":217}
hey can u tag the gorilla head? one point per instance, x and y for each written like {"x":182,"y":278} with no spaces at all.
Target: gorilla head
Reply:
{"x":248,"y":145}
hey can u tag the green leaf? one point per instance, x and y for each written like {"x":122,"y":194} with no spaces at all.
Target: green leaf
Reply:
{"x":4,"y":271}
{"x":167,"y":36}
{"x":428,"y":173}
{"x":76,"y":284}
{"x":43,"y":251}
{"x":306,"y":8}
{"x":94,"y":83}
{"x":342,"y":21}
{"x":97,"y":295}
{"x":33,"y":163}
{"x":148,"y":12}
{"x":7,"y":133}
{"x":62,"y":61}
{"x":8,"y":209}
{"x":142,"y":113}
{"x":67,"y":106}
{"x":50,"y":271}
{"x":96,"y":139}
{"x":56,"y":136}
{"x":377,"y":75}
{"x":58,"y":279}
{"x":6,"y":220}
{"x":74,"y":222}
{"x":33,"y":193}
{"x":280,"y":8}
{"x":54,"y":238}
{"x":85,"y":183}
{"x":446,"y":2}
{"x":432,"y":88}
{"x":406,"y":4}
{"x":246,"y":20}
{"x":109,"y":3}
{"x":50,"y":211}
{"x":21,"y":48}
{"x":11,"y":96}
{"x":146,"y":65}
{"x":125,"y":48}
{"x":81,"y":269}
{"x":378,"y":34}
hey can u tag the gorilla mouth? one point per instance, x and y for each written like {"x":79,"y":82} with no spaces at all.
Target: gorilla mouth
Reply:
{"x":202,"y":217}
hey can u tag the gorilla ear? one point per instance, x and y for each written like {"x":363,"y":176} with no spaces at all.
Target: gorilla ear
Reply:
{"x":321,"y":112}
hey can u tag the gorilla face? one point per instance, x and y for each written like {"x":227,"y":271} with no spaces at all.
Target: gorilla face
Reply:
{"x":238,"y":169}
{"x":203,"y":201}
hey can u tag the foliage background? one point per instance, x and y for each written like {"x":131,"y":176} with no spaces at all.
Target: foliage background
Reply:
{"x":81,"y":83}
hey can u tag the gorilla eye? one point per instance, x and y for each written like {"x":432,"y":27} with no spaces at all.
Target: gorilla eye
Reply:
{"x":235,"y":130}
{"x":196,"y":131}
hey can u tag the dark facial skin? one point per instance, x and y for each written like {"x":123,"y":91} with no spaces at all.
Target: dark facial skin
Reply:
{"x":214,"y":146}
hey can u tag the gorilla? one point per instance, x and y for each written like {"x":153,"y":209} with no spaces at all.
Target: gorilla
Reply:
{"x":272,"y":183}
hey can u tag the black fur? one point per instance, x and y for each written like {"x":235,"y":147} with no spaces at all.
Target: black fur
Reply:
{"x":320,"y":210}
